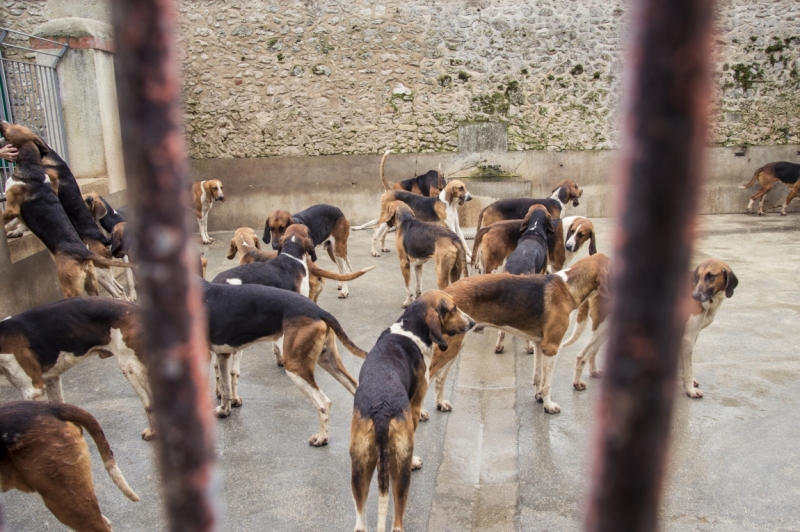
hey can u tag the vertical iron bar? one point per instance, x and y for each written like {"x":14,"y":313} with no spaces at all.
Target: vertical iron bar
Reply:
{"x":660,"y":175}
{"x":62,"y":135}
{"x":174,"y":316}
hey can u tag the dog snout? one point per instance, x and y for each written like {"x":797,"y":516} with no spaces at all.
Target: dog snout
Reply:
{"x":702,"y":297}
{"x":468,"y":197}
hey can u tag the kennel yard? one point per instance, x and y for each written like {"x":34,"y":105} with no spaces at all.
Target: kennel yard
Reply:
{"x":497,"y":462}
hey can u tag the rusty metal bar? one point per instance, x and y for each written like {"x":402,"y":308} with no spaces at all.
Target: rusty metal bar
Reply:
{"x":659,"y":176}
{"x":174,"y":317}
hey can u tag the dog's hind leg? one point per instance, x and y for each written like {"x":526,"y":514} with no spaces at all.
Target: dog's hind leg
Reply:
{"x":442,"y":404}
{"x":224,"y":408}
{"x":277,"y":350}
{"x":379,"y":232}
{"x":418,"y":278}
{"x":792,"y":193}
{"x":90,"y":281}
{"x":54,"y":391}
{"x":236,"y":358}
{"x":363,"y":459}
{"x":136,"y":374}
{"x":31,"y":390}
{"x":105,"y":276}
{"x":537,"y":370}
{"x":331,"y":362}
{"x":589,"y":353}
{"x":498,"y":347}
{"x":405,"y":269}
{"x":131,"y":282}
{"x":401,"y":463}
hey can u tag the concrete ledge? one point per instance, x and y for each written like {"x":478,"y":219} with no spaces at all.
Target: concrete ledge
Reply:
{"x":256,"y":186}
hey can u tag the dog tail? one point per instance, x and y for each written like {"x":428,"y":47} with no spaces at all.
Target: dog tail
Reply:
{"x":463,"y":265}
{"x":476,"y":248}
{"x":364,"y":226}
{"x":79,"y":416}
{"x":440,"y":178}
{"x":81,"y":252}
{"x":382,"y":442}
{"x":752,"y":181}
{"x":332,"y":322}
{"x":480,"y":221}
{"x":313,"y":269}
{"x":580,"y":324}
{"x":386,"y":184}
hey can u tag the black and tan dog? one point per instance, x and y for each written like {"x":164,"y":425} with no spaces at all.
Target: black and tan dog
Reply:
{"x":418,"y":242}
{"x":42,"y":451}
{"x":327,"y":226}
{"x":516,"y":208}
{"x":429,"y":184}
{"x":495,"y":242}
{"x":104,"y":214}
{"x":768,"y":176}
{"x":536,"y":307}
{"x":204,"y":194}
{"x":388,"y":401}
{"x":240,"y":316}
{"x":442,"y":210}
{"x":531,"y":255}
{"x":40,"y":344}
{"x":30,"y":197}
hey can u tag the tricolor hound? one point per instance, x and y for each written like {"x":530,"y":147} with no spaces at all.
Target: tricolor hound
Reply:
{"x":770,"y":174}
{"x":388,"y":402}
{"x":204,"y":194}
{"x":515,"y":208}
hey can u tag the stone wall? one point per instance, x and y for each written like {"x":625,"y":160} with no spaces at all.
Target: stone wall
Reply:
{"x":272,"y":77}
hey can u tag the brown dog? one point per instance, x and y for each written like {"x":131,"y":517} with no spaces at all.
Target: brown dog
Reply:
{"x":536,"y":307}
{"x":42,"y":451}
{"x":204,"y":194}
{"x":30,"y":197}
{"x":388,"y":402}
{"x":515,"y":208}
{"x":244,"y":240}
{"x":418,"y":242}
{"x":770,"y":174}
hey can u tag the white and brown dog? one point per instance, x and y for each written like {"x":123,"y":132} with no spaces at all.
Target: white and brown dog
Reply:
{"x":39,"y":345}
{"x":204,"y":194}
{"x":442,"y":210}
{"x":42,"y":451}
{"x":388,"y":402}
{"x":712,"y":282}
{"x":535,"y":307}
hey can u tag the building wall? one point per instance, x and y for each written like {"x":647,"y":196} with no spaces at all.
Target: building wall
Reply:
{"x":271,"y":77}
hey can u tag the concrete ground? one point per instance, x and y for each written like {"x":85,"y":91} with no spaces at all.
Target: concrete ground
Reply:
{"x":497,"y":462}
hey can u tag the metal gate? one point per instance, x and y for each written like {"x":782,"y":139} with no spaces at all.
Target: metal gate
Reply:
{"x":30,"y":94}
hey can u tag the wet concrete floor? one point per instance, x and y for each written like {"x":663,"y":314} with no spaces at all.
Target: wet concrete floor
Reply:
{"x":497,"y":462}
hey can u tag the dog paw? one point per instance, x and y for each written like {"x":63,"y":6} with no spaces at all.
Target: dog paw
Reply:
{"x":416,"y":463}
{"x":444,"y":406}
{"x":499,"y":349}
{"x":148,"y":434}
{"x":696,"y":383}
{"x":343,"y":294}
{"x":221,"y":412}
{"x":236,"y":402}
{"x":579,"y":385}
{"x":552,"y":408}
{"x":339,"y":286}
{"x":424,"y":415}
{"x":538,"y":397}
{"x":14,"y":234}
{"x":317,"y":440}
{"x":596,"y":374}
{"x":761,"y":213}
{"x":375,"y":254}
{"x":385,"y":250}
{"x":694,"y":393}
{"x":479,"y":328}
{"x":529,"y":349}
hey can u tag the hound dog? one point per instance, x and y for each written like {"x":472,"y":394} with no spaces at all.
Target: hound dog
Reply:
{"x":535,"y":307}
{"x":388,"y":401}
{"x":103,"y":213}
{"x":292,"y":270}
{"x":40,"y":344}
{"x":31,"y":198}
{"x":770,"y":174}
{"x":495,"y":242}
{"x":515,"y":208}
{"x":712,"y":282}
{"x":597,"y":308}
{"x":429,"y":184}
{"x":326,"y":225}
{"x":42,"y":451}
{"x":418,"y":242}
{"x":204,"y":194}
{"x":69,"y":194}
{"x":240,"y":316}
{"x":530,"y":255}
{"x":442,"y":210}
{"x":244,"y":240}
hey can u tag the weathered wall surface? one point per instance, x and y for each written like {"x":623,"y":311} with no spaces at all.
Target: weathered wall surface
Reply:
{"x":272,"y":77}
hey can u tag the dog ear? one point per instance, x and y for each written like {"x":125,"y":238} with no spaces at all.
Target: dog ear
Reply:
{"x":43,"y":149}
{"x":696,"y":275}
{"x":388,"y":216}
{"x":525,"y":222}
{"x":232,"y":250}
{"x":592,"y":244}
{"x":448,"y":195}
{"x":602,"y":284}
{"x":258,"y":243}
{"x":731,"y":282}
{"x":309,"y":247}
{"x":550,"y":226}
{"x":267,"y":232}
{"x":434,"y":322}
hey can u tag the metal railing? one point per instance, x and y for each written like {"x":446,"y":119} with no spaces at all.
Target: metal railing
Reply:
{"x":30,"y":93}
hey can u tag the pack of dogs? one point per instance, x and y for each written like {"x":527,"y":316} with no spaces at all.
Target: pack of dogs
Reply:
{"x":520,"y":276}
